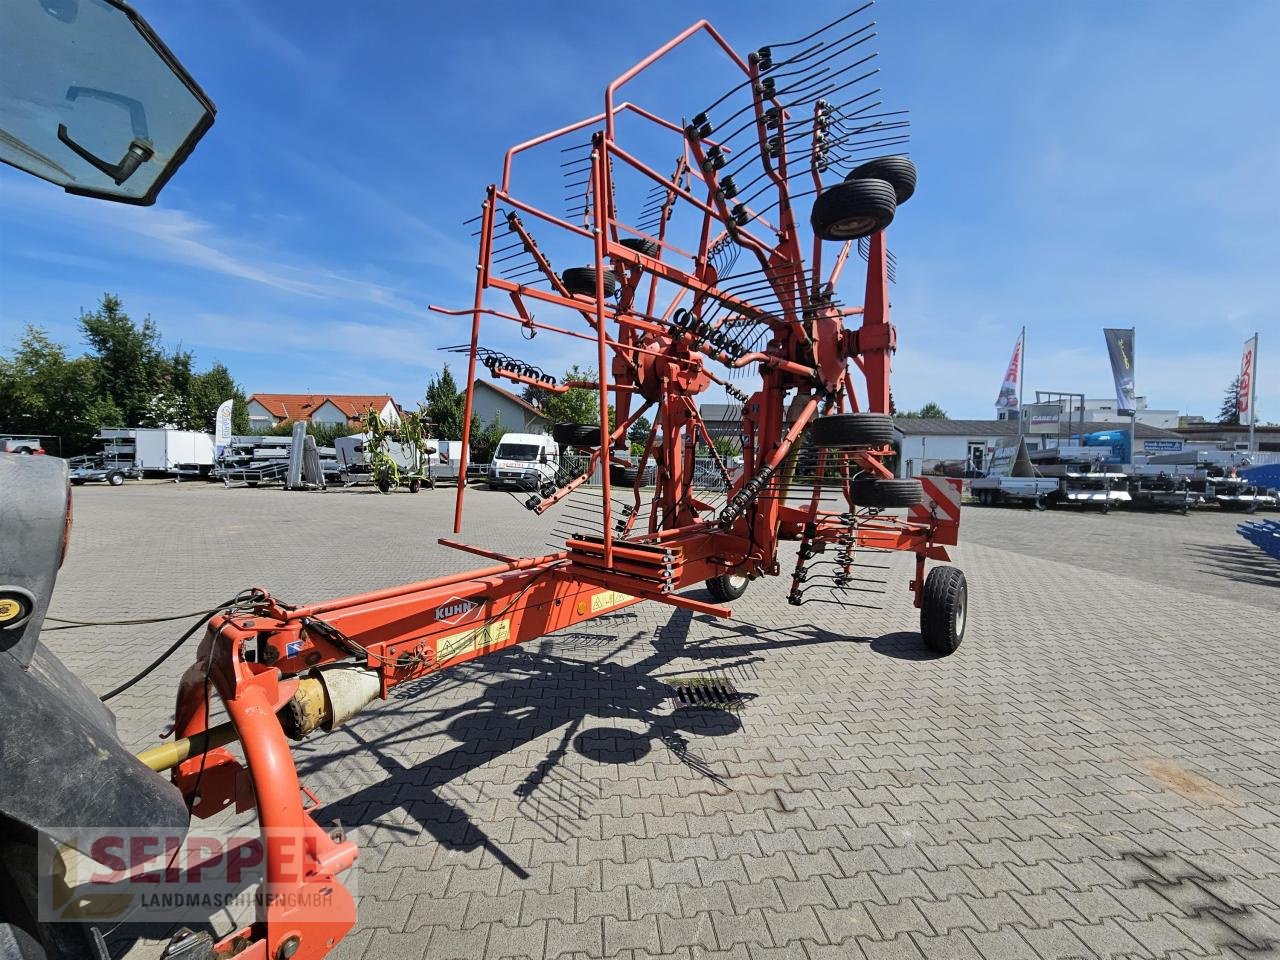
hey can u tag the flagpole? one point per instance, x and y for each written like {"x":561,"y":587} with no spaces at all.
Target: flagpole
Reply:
{"x":1253,"y":392}
{"x":1133,"y":414}
{"x":1022,"y":376}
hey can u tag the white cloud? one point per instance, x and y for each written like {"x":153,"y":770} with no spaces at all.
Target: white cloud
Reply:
{"x":176,"y":236}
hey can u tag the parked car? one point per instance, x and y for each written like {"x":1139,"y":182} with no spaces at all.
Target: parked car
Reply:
{"x":27,"y":445}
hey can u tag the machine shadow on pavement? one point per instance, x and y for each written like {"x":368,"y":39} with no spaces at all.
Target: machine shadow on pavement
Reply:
{"x":515,"y":697}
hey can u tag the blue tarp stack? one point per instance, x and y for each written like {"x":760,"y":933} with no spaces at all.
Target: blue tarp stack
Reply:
{"x":1264,"y":534}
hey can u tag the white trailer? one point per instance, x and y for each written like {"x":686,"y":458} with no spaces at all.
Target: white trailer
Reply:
{"x":159,"y":450}
{"x":177,"y":452}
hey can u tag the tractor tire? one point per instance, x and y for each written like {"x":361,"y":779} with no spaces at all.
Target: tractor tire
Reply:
{"x":384,"y":485}
{"x":620,"y":476}
{"x":415,"y":485}
{"x":727,"y":587}
{"x":853,"y":209}
{"x":841,"y":430}
{"x":582,"y":280}
{"x":115,"y":478}
{"x":576,"y":434}
{"x":944,"y":610}
{"x":874,"y":492}
{"x":648,"y":247}
{"x":899,"y":172}
{"x":24,"y":935}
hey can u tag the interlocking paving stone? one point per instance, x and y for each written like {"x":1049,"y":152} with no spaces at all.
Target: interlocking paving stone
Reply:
{"x":1094,"y":773}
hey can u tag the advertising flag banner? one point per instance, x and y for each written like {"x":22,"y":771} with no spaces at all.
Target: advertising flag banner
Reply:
{"x":1120,"y":347}
{"x":222,"y":427}
{"x":1008,"y":398}
{"x":1244,"y":399}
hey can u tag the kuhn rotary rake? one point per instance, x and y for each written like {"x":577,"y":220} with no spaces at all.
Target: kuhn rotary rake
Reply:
{"x":716,"y":279}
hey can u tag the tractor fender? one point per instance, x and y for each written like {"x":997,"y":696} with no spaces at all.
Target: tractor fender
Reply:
{"x":62,"y":766}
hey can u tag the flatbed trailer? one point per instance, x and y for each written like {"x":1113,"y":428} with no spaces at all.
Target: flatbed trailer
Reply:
{"x":1029,"y":491}
{"x":1163,"y":491}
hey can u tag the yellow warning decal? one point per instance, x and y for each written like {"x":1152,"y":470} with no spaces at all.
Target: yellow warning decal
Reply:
{"x":468,"y":641}
{"x":9,"y":609}
{"x":610,"y":598}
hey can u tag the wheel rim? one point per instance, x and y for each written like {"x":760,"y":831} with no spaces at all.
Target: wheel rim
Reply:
{"x":735,"y":581}
{"x":961,"y":605}
{"x":852,"y":226}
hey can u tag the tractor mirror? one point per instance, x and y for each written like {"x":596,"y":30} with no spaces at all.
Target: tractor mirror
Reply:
{"x":92,"y":100}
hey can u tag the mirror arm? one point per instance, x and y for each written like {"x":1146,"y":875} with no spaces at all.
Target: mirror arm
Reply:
{"x":134,"y":157}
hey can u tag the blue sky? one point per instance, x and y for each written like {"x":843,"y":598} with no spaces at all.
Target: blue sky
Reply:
{"x":1082,"y":165}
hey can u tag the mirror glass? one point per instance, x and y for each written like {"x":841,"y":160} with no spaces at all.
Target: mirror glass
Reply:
{"x":91,"y":100}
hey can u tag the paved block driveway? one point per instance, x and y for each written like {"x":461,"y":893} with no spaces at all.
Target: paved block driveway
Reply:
{"x":1095,"y":773}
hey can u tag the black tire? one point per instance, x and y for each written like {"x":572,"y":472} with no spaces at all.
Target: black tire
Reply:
{"x":944,"y":610}
{"x":727,"y":587}
{"x":77,"y":482}
{"x":874,"y":492}
{"x":115,"y":478}
{"x":899,"y":172}
{"x":23,"y":934}
{"x":620,"y":476}
{"x":415,"y":485}
{"x":853,"y":209}
{"x":1106,"y":507}
{"x":852,"y":430}
{"x":384,"y":485}
{"x":648,"y":247}
{"x":576,"y":434}
{"x":582,"y":280}
{"x":25,"y":450}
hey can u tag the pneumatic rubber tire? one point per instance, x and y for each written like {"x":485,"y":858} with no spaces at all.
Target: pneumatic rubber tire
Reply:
{"x":899,"y":172}
{"x":944,"y":610}
{"x":576,"y":434}
{"x":620,"y":476}
{"x":853,"y":209}
{"x":115,"y":478}
{"x":582,"y":280}
{"x":727,"y":587}
{"x":874,"y":492}
{"x":640,"y":245}
{"x":852,"y":430}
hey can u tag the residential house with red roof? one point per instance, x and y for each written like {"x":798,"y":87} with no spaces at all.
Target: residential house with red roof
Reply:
{"x":269,"y":409}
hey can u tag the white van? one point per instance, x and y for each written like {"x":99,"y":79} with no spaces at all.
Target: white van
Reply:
{"x":524,"y":460}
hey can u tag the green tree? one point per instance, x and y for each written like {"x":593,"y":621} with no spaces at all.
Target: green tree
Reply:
{"x":1230,"y":412}
{"x":43,"y":391}
{"x":930,"y":411}
{"x":485,"y":437}
{"x":209,"y":390}
{"x":639,"y":432}
{"x":132,"y":367}
{"x":445,"y":405}
{"x":577,"y":405}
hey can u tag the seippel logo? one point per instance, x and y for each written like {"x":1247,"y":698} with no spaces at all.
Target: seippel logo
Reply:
{"x":455,"y":610}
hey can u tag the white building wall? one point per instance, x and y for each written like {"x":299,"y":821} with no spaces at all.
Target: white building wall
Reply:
{"x":260,"y":416}
{"x":328,"y":413}
{"x":923,"y":452}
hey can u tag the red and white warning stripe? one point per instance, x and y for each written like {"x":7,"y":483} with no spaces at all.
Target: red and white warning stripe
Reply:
{"x":941,"y":501}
